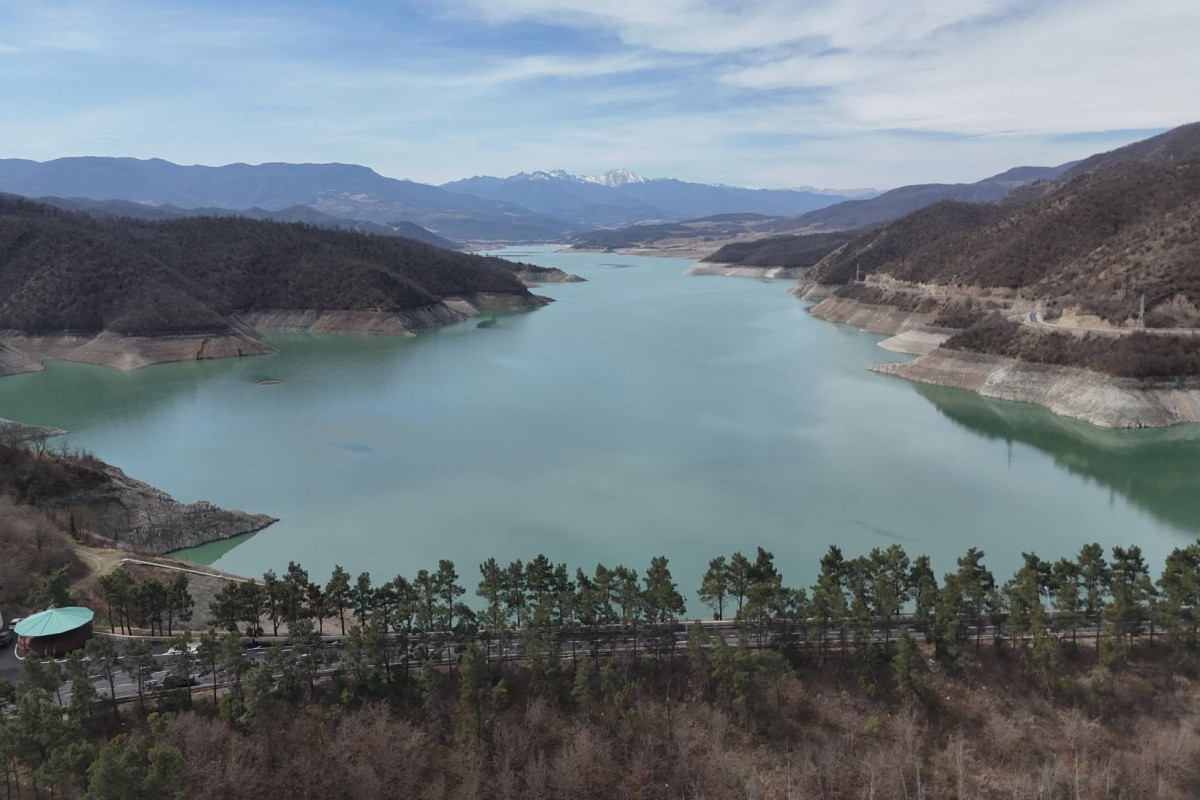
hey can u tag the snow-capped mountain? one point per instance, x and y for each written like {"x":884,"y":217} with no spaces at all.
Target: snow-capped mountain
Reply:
{"x":614,"y":178}
{"x":622,"y":197}
{"x":611,"y":179}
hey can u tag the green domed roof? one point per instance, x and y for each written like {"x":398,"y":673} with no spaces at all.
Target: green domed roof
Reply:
{"x":54,"y":621}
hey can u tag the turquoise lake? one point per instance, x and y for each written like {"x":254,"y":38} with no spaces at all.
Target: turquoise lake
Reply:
{"x":643,"y":413}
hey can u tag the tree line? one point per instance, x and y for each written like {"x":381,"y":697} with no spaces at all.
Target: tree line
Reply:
{"x":863,"y":618}
{"x":855,"y":606}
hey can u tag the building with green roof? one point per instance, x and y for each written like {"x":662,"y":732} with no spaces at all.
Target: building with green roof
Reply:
{"x":54,"y":632}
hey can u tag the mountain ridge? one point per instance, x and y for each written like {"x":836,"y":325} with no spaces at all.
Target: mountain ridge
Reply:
{"x":341,"y":190}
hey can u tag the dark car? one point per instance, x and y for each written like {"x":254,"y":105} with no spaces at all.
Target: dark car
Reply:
{"x":178,"y":682}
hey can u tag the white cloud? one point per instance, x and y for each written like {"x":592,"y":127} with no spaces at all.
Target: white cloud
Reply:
{"x":970,"y":66}
{"x":1110,"y":65}
{"x":717,"y":26}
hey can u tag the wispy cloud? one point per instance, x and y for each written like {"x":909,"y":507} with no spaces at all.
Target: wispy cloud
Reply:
{"x":762,"y":92}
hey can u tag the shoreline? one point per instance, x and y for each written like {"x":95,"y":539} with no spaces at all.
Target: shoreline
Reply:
{"x":24,"y":353}
{"x":1102,"y":400}
{"x":739,"y":271}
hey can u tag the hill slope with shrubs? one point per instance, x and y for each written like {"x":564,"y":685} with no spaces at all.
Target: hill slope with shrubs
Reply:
{"x":66,"y":272}
{"x":1114,"y":227}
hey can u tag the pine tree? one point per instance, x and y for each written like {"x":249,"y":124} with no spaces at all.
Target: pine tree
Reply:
{"x":338,"y":592}
{"x":714,"y":586}
{"x":740,"y":577}
{"x":925,"y":592}
{"x":1095,"y":578}
{"x":474,"y":685}
{"x":977,"y":585}
{"x":906,"y":664}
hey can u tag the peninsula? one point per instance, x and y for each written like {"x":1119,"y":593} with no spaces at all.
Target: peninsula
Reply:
{"x":128,"y":293}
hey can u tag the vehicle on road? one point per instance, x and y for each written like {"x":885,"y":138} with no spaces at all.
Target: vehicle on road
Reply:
{"x":179,"y":682}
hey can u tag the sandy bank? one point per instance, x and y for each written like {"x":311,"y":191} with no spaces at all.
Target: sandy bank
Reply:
{"x":871,"y":318}
{"x":21,"y":352}
{"x":1077,"y":393}
{"x":738,"y":271}
{"x":666,"y":249}
{"x":131,"y":352}
{"x":534,"y":278}
{"x":918,"y":341}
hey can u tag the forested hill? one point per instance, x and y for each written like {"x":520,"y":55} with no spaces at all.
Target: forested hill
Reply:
{"x":299,"y":213}
{"x":66,"y":272}
{"x":1111,"y":229}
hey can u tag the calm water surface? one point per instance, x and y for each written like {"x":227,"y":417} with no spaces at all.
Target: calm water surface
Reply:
{"x":643,"y":413}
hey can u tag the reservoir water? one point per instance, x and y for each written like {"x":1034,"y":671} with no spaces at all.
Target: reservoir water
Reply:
{"x":643,"y":413}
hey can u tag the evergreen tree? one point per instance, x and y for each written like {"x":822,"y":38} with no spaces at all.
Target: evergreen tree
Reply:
{"x":714,"y":586}
{"x":139,"y":665}
{"x":586,"y":686}
{"x":1095,"y":577}
{"x":208,"y":655}
{"x":474,"y":690}
{"x":449,"y":591}
{"x":362,"y":597}
{"x":663,"y":602}
{"x":103,"y":662}
{"x":1179,"y":587}
{"x":514,"y":590}
{"x":739,"y":577}
{"x":538,"y":577}
{"x":491,"y":590}
{"x":180,"y":605}
{"x":950,"y":633}
{"x":1132,"y":591}
{"x":829,"y":604}
{"x":977,"y":585}
{"x":906,"y":666}
{"x":165,"y":776}
{"x":117,"y":588}
{"x":925,"y":592}
{"x":1067,"y":597}
{"x":50,"y":589}
{"x":273,"y":590}
{"x":118,"y":772}
{"x":892,"y":583}
{"x":338,"y":592}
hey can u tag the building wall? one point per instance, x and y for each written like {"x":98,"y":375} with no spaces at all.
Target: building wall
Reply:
{"x":54,"y":646}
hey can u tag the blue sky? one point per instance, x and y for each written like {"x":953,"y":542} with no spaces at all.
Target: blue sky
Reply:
{"x":747,"y":92}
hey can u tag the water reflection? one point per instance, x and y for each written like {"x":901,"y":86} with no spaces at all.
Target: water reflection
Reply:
{"x":1155,"y":469}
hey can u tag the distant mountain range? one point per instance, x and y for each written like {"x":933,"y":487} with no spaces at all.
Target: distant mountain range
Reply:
{"x":620,"y":197}
{"x":524,"y":208}
{"x":338,"y":190}
{"x":906,"y":199}
{"x":763,"y":240}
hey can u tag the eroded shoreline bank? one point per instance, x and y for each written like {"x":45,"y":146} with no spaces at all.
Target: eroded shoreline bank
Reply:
{"x":1093,"y":397}
{"x":21,"y":352}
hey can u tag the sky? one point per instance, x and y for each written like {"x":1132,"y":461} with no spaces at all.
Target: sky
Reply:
{"x":765,"y":93}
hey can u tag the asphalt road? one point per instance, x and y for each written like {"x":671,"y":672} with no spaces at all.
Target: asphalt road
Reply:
{"x":446,"y":652}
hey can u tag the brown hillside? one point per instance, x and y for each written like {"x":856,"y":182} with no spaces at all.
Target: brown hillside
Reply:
{"x":1125,"y":224}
